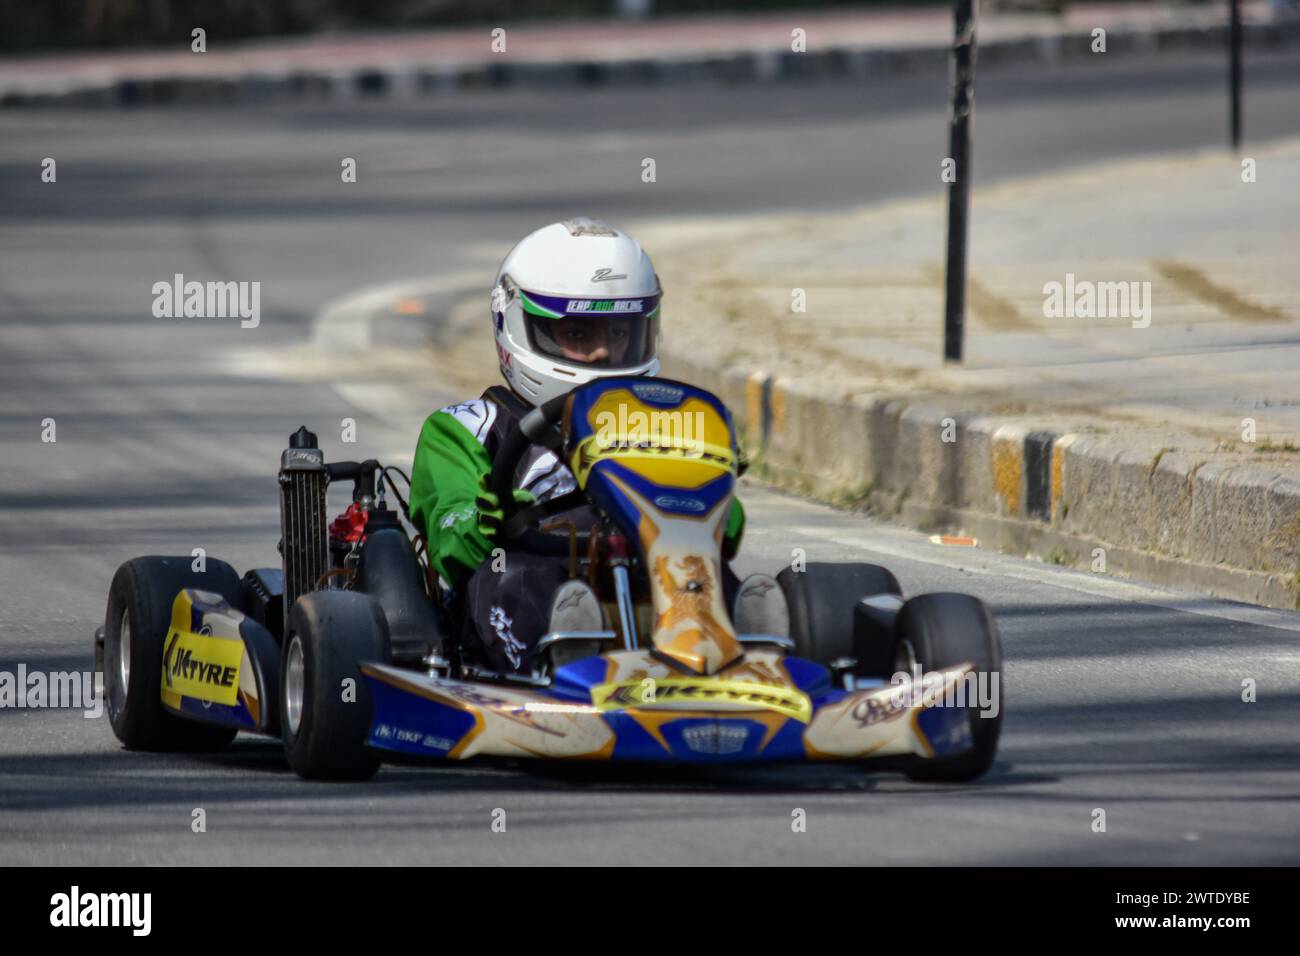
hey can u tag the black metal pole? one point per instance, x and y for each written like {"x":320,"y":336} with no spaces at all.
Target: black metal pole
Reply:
{"x":1234,"y":69}
{"x":963,"y":94}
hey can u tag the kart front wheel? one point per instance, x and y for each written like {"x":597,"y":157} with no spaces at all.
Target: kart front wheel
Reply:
{"x":325,"y":703}
{"x":822,"y":598}
{"x":935,"y":631}
{"x":136,"y":623}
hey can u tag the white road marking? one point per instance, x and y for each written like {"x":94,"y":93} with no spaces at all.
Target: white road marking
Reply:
{"x":341,"y":353}
{"x":344,"y":324}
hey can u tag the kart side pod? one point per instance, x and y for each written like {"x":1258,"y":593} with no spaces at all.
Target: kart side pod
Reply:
{"x":220,"y":666}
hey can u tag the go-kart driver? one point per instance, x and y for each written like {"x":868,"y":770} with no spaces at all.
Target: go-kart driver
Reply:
{"x":572,"y":302}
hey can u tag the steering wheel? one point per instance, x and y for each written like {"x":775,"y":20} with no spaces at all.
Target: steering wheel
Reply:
{"x":541,"y":426}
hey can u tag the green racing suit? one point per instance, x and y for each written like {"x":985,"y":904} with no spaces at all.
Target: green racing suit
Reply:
{"x":452,"y":460}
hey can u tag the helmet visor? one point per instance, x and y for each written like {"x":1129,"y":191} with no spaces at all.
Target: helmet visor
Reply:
{"x":603,"y":333}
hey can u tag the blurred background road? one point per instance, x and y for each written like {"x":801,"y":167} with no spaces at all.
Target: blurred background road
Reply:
{"x":168,"y":435}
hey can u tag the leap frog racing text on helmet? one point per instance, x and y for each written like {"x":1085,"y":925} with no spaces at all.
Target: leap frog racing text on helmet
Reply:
{"x":575,"y":301}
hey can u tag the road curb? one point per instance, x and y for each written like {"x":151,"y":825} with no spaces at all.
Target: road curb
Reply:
{"x":1113,"y":504}
{"x":408,"y":79}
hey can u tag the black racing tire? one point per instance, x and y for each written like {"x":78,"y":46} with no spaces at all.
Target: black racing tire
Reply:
{"x":944,"y":630}
{"x":139,"y":616}
{"x":329,"y":635}
{"x":822,"y":598}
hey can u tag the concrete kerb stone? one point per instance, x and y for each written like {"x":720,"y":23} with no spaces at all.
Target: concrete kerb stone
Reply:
{"x":815,"y":435}
{"x":977,"y":489}
{"x":1171,"y":503}
{"x":1088,"y":487}
{"x":1131,"y":521}
{"x":1281,"y":546}
{"x":1241,"y":515}
{"x":915,"y":431}
{"x":885,"y":463}
{"x":1205,"y":486}
{"x":919,"y":452}
{"x":1007,"y":469}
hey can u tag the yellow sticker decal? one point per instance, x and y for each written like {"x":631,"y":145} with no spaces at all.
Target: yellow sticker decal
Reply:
{"x":201,"y":666}
{"x":683,"y":447}
{"x":694,"y":693}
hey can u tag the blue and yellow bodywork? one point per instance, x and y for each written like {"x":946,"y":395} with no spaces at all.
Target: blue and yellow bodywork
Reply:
{"x":660,"y":459}
{"x":626,"y":705}
{"x":220,"y":666}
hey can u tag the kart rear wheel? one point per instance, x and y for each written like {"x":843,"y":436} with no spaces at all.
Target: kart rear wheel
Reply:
{"x":136,"y":623}
{"x":324,"y":719}
{"x":822,"y":598}
{"x":944,"y":630}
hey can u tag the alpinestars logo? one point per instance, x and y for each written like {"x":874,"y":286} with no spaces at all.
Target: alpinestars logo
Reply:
{"x":503,"y":626}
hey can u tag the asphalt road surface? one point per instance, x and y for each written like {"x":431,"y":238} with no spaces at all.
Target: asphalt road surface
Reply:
{"x":1118,"y":697}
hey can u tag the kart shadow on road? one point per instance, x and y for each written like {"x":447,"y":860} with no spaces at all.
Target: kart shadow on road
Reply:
{"x":494,"y":774}
{"x":770,"y":779}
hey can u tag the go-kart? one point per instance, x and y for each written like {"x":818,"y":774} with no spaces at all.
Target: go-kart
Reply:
{"x":353,"y":650}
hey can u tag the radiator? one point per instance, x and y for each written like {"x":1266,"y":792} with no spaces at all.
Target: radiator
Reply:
{"x":304,"y":543}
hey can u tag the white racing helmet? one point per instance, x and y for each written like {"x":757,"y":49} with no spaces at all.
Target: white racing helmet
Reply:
{"x":575,"y":301}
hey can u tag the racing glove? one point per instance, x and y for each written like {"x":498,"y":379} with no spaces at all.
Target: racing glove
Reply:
{"x":491,"y":516}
